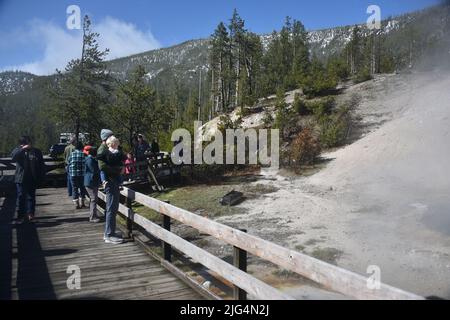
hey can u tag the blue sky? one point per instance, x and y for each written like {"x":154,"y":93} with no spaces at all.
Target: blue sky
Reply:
{"x":34,"y":37}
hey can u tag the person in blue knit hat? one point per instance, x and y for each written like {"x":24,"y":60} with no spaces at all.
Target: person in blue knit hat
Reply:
{"x":111,"y":190}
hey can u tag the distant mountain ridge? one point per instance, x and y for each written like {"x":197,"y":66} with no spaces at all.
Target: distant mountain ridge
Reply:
{"x":184,"y":61}
{"x":15,"y":81}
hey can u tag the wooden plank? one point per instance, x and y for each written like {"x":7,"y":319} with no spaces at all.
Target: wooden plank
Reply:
{"x":189,"y":281}
{"x":177,"y":272}
{"x":161,"y":284}
{"x":247,"y":282}
{"x":59,"y":238}
{"x":330,"y":276}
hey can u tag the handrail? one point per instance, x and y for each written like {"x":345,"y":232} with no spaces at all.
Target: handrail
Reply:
{"x":244,"y":280}
{"x":6,"y":164}
{"x":332,"y":277}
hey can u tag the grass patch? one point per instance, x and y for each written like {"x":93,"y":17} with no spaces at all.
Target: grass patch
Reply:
{"x":200,"y":199}
{"x":148,"y":213}
{"x":312,"y":242}
{"x":256,"y":190}
{"x":203,"y":199}
{"x":283,"y":273}
{"x":330,"y":255}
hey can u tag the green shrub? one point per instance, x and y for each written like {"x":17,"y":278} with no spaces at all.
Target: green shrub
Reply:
{"x":267,"y":119}
{"x":243,"y":112}
{"x":335,"y":128}
{"x":318,"y":87}
{"x":363,"y":76}
{"x":300,"y":106}
{"x":282,"y":112}
{"x":319,"y":81}
{"x":322,"y":107}
{"x":225,"y":123}
{"x":338,"y":68}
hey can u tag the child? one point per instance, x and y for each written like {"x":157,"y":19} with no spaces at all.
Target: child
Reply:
{"x":130,"y":166}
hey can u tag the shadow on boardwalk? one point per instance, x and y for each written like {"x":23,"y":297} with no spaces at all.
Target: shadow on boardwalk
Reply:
{"x":34,"y":258}
{"x":30,"y":273}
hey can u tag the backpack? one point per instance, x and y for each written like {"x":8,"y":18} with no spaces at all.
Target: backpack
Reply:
{"x":34,"y":168}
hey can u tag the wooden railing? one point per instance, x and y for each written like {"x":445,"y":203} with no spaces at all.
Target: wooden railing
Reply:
{"x":331,"y":277}
{"x":6,"y":164}
{"x":152,"y":169}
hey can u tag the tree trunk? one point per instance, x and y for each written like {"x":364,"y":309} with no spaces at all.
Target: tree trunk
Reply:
{"x":238,"y":74}
{"x":77,"y":130}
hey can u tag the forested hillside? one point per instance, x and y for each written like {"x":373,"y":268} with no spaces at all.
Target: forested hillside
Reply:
{"x":203,"y":78}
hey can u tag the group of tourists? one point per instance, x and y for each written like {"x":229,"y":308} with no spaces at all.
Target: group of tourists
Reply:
{"x":88,"y":170}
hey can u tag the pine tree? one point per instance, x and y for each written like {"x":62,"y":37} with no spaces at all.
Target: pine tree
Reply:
{"x":83,"y":89}
{"x":300,"y":51}
{"x":220,"y":68}
{"x":135,"y":109}
{"x":237,"y":43}
{"x":252,"y":52}
{"x":353,"y":50}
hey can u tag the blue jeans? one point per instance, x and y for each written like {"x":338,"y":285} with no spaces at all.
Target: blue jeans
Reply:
{"x":26,"y":199}
{"x":78,"y":190}
{"x":103,"y":178}
{"x":69,"y":184}
{"x":112,"y":205}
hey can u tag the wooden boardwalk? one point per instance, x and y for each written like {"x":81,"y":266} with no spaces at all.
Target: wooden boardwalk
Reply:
{"x":34,"y":258}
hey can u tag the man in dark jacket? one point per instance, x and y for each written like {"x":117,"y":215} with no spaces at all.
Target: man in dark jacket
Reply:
{"x":30,"y":173}
{"x":141,"y":148}
{"x":154,"y":148}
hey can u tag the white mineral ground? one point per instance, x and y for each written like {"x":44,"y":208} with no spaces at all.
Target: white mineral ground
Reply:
{"x":383,"y":200}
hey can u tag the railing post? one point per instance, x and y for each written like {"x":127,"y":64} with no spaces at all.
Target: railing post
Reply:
{"x":240,"y":262}
{"x":128,"y":203}
{"x":166,"y":248}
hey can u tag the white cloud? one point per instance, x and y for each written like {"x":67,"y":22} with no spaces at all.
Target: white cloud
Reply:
{"x":61,"y":45}
{"x":123,"y":38}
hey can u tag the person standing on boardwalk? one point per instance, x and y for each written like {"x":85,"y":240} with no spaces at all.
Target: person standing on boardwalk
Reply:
{"x":67,"y":151}
{"x":92,"y":181}
{"x":76,"y":172}
{"x":29,"y":175}
{"x":112,"y":176}
{"x":130,"y":166}
{"x":141,"y":148}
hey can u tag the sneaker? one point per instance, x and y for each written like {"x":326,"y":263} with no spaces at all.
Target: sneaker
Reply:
{"x":113,"y":240}
{"x":82,"y":205}
{"x":95,"y":220}
{"x":30,"y":217}
{"x":77,"y":204}
{"x":117,"y":234}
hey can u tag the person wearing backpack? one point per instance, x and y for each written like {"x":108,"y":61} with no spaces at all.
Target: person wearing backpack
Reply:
{"x":29,"y":175}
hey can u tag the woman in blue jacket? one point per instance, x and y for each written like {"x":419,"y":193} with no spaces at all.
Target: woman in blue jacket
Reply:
{"x":92,"y":182}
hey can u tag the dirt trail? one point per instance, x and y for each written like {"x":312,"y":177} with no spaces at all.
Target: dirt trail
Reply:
{"x":383,"y":200}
